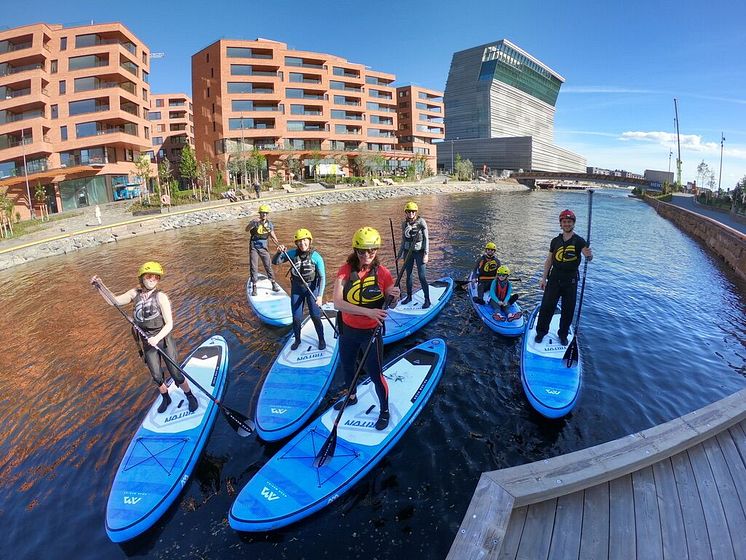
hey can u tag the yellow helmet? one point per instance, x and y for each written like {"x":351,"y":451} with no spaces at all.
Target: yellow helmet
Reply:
{"x":151,"y":267}
{"x":411,"y":205}
{"x":303,"y":233}
{"x":264,"y":208}
{"x":503,"y":270}
{"x":491,"y":245}
{"x":366,"y":238}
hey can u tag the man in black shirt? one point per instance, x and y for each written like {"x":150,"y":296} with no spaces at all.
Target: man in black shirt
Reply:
{"x":560,"y":278}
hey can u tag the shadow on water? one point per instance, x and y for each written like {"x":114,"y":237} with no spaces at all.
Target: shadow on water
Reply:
{"x":73,"y":390}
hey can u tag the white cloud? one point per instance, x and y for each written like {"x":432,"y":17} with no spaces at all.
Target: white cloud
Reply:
{"x":627,"y":90}
{"x":690,"y":142}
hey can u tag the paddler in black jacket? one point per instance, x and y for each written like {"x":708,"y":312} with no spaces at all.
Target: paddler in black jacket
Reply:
{"x":154,"y":316}
{"x":485,"y":271}
{"x":560,"y":278}
{"x":414,"y":232}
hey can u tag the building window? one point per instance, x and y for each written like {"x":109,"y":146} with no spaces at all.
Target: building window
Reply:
{"x":160,"y":128}
{"x":147,"y":132}
{"x":144,"y":94}
{"x":63,"y":87}
{"x":208,"y":92}
{"x":208,"y":57}
{"x":145,"y":58}
{"x":63,"y":43}
{"x":145,"y":77}
{"x":63,"y":133}
{"x":157,"y":140}
{"x":129,"y":155}
{"x":159,"y":102}
{"x":53,"y":67}
{"x":238,"y":105}
{"x":154,"y":115}
{"x":55,"y":111}
{"x":212,"y":72}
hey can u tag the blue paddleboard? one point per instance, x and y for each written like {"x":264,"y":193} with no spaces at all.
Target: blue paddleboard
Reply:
{"x":551,"y":387}
{"x":271,"y":307}
{"x":490,"y":316}
{"x":404,"y":319}
{"x":162,"y":455}
{"x":297,"y":381}
{"x":289,"y":487}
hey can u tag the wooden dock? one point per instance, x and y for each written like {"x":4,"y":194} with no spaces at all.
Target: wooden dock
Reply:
{"x":677,"y":490}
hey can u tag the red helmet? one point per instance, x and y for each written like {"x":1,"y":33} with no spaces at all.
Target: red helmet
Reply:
{"x":567,"y":214}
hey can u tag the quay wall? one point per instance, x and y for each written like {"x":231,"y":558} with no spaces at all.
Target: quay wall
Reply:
{"x":724,"y":241}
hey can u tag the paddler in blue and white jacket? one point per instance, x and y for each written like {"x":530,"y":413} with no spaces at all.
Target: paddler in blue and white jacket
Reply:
{"x":307,"y":283}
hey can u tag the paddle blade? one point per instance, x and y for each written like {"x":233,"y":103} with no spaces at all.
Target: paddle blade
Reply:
{"x":327,"y":450}
{"x":240,"y":423}
{"x":571,"y":354}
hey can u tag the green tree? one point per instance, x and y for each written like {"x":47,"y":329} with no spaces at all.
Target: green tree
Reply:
{"x":204,"y":172}
{"x":703,"y":170}
{"x":6,"y":214}
{"x":188,"y":166}
{"x":464,"y":169}
{"x":143,"y":172}
{"x":295,"y":165}
{"x":165,"y":175}
{"x":257,"y":160}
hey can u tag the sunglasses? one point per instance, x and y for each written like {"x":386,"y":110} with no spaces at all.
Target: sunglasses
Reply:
{"x":362,"y":252}
{"x":410,"y":211}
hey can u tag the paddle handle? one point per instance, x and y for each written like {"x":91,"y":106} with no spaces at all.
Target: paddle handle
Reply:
{"x":585,"y":263}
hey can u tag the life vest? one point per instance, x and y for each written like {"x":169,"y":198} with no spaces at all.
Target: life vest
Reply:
{"x":501,"y":289}
{"x":413,"y":234}
{"x":147,"y":314}
{"x":365,"y":292}
{"x":305,"y":266}
{"x":260,"y":233}
{"x":487,"y":267}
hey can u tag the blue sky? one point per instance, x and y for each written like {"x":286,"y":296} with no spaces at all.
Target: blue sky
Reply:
{"x":623,"y":62}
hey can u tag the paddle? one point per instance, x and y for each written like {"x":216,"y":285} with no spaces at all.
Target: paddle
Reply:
{"x":393,"y":242}
{"x":240,"y":423}
{"x":310,"y":291}
{"x":571,"y":354}
{"x":327,"y":450}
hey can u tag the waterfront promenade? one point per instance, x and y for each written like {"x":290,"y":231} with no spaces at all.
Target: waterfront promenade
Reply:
{"x":677,"y":490}
{"x":688,"y":202}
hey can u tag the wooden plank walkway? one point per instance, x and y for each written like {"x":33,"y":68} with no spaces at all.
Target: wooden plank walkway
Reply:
{"x":674,"y":491}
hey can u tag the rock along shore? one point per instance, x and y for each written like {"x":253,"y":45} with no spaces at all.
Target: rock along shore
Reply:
{"x":302,"y":198}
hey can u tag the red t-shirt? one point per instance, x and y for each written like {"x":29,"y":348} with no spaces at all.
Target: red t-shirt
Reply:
{"x":385,"y":281}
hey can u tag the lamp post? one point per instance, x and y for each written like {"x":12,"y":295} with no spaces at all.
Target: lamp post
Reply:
{"x":452,"y":153}
{"x":243,"y":159}
{"x":25,"y":175}
{"x":720,"y":175}
{"x":670,"y":153}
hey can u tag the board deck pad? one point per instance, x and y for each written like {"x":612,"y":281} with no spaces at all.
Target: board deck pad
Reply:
{"x":290,"y":487}
{"x":297,"y":381}
{"x":271,"y":307}
{"x":405,"y":319}
{"x":161,"y":456}
{"x":551,"y":387}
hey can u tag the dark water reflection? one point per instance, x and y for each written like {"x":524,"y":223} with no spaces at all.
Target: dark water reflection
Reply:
{"x":662,"y":334}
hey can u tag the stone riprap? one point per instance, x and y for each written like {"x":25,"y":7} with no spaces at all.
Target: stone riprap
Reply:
{"x":303,"y":198}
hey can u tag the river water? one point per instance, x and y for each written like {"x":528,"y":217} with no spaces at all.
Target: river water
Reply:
{"x":662,"y":334}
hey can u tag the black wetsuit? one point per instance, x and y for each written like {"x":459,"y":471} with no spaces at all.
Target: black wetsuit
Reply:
{"x":562,"y":283}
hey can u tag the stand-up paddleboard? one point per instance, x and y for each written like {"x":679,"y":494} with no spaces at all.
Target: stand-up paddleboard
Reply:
{"x":297,"y":381}
{"x":551,"y":387}
{"x":289,"y":487}
{"x":490,"y":315}
{"x":162,"y":455}
{"x":271,"y":307}
{"x":404,"y":319}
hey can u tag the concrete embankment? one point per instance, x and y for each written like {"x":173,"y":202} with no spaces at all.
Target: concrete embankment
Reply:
{"x":303,"y":198}
{"x":724,"y":241}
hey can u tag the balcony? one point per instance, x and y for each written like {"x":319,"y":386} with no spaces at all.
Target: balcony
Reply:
{"x":304,"y":80}
{"x":11,"y":70}
{"x":101,"y":130}
{"x":32,"y":166}
{"x":12,"y":94}
{"x":302,"y":63}
{"x":379,"y":94}
{"x":13,"y":47}
{"x":17,"y":117}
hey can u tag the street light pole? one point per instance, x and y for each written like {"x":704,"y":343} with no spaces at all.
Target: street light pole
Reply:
{"x":670,"y":153}
{"x":243,"y":159}
{"x":720,"y":175}
{"x":25,"y":175}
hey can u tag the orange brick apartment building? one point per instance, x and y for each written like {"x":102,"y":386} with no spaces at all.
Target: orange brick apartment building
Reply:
{"x":311,"y":107}
{"x":172,"y":127}
{"x":73,"y":106}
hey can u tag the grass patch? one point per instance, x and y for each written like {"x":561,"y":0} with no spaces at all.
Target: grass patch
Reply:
{"x":29,"y":226}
